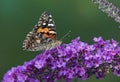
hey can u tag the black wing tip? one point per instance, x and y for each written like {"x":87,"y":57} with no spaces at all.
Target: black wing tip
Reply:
{"x":46,"y":13}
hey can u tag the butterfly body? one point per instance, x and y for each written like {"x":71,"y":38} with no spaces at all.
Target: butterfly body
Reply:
{"x":43,"y":35}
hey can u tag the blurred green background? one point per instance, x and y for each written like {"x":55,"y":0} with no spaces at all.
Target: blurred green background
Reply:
{"x":82,"y":17}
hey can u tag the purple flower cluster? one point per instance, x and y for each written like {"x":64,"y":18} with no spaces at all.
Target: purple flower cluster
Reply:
{"x":109,"y":8}
{"x":70,"y":61}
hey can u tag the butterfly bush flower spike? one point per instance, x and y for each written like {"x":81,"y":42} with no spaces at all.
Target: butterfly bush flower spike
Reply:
{"x":75,"y":60}
{"x":109,"y":8}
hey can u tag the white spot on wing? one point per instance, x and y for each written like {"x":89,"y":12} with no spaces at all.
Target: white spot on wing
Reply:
{"x":38,"y":41}
{"x":52,"y":32}
{"x":50,"y":24}
{"x":44,"y":23}
{"x":50,"y":15}
{"x":50,"y":20}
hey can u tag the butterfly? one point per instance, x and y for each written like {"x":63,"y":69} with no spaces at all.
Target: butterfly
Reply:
{"x":43,"y":35}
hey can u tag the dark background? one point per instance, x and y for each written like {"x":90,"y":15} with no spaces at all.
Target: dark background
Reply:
{"x":82,"y":17}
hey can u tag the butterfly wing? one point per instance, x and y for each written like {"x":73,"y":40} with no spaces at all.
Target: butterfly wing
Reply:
{"x":42,"y":35}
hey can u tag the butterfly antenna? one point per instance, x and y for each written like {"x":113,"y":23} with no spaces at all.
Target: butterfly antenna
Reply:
{"x":65,"y":35}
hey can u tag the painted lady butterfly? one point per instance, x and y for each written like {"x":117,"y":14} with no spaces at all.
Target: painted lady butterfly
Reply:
{"x":43,"y":35}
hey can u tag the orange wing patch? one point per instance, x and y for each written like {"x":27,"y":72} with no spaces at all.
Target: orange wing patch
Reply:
{"x":45,"y":30}
{"x":52,"y":36}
